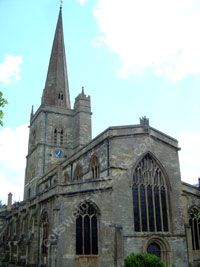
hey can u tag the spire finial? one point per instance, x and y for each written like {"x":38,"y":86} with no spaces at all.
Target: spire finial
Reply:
{"x":82,"y":90}
{"x":61,"y":3}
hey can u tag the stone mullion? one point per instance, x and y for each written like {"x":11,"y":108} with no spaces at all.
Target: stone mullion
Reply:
{"x":90,"y":234}
{"x":154,"y":208}
{"x":198,"y":234}
{"x":139,"y":204}
{"x":167,"y":207}
{"x":193,"y":233}
{"x":83,"y":247}
{"x":147,"y":206}
{"x":161,"y":212}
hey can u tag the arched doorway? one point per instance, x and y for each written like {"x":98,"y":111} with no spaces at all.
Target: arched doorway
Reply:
{"x":154,"y":249}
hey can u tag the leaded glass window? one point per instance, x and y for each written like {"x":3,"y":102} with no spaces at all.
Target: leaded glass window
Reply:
{"x":149,"y":197}
{"x":87,"y":230}
{"x":78,"y":173}
{"x":194,"y":222}
{"x":94,"y":167}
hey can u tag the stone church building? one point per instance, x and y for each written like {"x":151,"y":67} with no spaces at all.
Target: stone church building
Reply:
{"x":90,"y":202}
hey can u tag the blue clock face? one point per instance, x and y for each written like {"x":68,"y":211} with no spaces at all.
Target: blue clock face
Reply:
{"x":58,"y":153}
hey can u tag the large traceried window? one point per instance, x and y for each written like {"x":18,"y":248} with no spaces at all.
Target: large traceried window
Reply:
{"x":87,"y":230}
{"x":149,"y":197}
{"x":195,"y":228}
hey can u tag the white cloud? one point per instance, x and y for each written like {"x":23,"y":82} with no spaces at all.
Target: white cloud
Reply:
{"x":190,"y":156}
{"x":157,"y":34}
{"x":10,"y":69}
{"x":98,"y":41}
{"x":13,"y":147}
{"x":82,"y":2}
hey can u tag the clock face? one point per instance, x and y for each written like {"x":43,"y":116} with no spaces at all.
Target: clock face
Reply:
{"x":58,"y":153}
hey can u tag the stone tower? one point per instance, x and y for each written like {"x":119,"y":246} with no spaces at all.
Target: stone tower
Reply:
{"x":56,"y":130}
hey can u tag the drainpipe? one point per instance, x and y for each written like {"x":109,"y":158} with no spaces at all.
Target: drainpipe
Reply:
{"x":108,"y":156}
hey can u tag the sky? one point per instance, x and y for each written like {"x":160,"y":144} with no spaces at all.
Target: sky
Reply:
{"x":134,"y":58}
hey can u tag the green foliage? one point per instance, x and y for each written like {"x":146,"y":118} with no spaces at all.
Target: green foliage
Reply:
{"x":3,"y":102}
{"x":143,"y":260}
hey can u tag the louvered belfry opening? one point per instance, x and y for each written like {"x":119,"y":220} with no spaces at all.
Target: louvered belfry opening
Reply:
{"x":150,"y":197}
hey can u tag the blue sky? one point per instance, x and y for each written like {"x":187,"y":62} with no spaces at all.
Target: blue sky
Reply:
{"x":134,"y":58}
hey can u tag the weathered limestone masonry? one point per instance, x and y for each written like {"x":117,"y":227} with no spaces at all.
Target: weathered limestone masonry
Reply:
{"x":91,"y":202}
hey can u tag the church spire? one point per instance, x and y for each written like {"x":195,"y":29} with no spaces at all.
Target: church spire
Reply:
{"x":56,"y":91}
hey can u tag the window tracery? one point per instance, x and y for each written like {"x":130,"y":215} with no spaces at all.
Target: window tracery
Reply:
{"x":194,"y":222}
{"x":94,"y":167}
{"x":58,"y":136}
{"x":87,"y":230}
{"x":149,"y":197}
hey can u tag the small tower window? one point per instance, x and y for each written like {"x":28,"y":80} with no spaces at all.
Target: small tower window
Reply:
{"x":55,"y":137}
{"x":60,"y":96}
{"x":61,"y":137}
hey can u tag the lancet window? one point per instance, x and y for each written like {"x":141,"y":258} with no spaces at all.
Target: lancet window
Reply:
{"x":44,"y":233}
{"x":58,"y":136}
{"x":61,"y":137}
{"x":87,"y":230}
{"x":55,"y":136}
{"x":150,"y":206}
{"x":94,"y":167}
{"x":78,"y":173}
{"x":194,"y":222}
{"x":60,"y":96}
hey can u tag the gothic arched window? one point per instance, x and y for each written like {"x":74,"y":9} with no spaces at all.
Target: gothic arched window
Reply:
{"x":44,"y":232}
{"x":149,"y":197}
{"x":55,"y":136}
{"x":94,"y":167}
{"x":87,"y":230}
{"x":78,"y":173}
{"x":195,"y":228}
{"x":66,"y":177}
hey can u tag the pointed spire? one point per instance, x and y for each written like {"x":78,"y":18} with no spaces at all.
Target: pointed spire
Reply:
{"x":32,"y":111}
{"x":56,"y":91}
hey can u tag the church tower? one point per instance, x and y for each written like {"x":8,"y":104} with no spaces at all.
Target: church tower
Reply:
{"x":56,"y":130}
